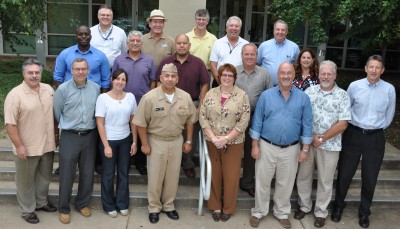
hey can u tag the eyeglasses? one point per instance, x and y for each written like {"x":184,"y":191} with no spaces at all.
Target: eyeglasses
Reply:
{"x":105,"y":15}
{"x":80,"y":69}
{"x":227,"y":75}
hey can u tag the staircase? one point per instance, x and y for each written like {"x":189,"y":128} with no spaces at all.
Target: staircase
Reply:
{"x":387,"y":195}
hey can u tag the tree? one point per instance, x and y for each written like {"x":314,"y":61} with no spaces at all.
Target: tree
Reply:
{"x":376,"y":21}
{"x":21,"y":17}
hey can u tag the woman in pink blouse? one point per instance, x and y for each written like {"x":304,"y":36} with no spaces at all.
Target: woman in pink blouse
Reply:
{"x":224,"y":116}
{"x":306,"y":70}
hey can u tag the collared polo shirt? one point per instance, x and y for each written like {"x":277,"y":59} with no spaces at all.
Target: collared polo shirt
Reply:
{"x":158,"y":49}
{"x":201,"y":47}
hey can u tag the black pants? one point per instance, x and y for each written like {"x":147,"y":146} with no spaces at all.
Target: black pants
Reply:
{"x":370,"y":148}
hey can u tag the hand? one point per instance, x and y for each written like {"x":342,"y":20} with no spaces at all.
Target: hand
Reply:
{"x":317,"y":140}
{"x":186,"y":148}
{"x":133,"y":149}
{"x":146,"y":150}
{"x":255,"y":153}
{"x":302,"y":157}
{"x":21,"y":152}
{"x":219,"y":141}
{"x":108,"y":152}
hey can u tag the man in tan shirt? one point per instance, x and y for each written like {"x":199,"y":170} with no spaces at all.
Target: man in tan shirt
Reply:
{"x":161,"y":116}
{"x":28,"y":114}
{"x":155,"y":43}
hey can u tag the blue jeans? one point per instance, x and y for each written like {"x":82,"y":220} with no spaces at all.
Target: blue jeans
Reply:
{"x":120,"y":159}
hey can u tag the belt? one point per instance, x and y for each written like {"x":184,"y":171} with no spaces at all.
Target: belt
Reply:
{"x":282,"y":146}
{"x":80,"y":132}
{"x":365,"y":131}
{"x":171,"y":138}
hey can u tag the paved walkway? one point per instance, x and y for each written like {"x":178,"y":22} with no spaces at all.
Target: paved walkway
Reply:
{"x":138,"y":218}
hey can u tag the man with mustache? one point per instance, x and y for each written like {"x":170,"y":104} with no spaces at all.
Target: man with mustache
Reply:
{"x":193,"y":79}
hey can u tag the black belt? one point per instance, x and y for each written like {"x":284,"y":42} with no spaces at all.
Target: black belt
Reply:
{"x":365,"y":131}
{"x":282,"y":146}
{"x":80,"y":132}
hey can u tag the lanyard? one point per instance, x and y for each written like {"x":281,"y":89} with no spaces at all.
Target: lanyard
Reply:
{"x":101,"y":34}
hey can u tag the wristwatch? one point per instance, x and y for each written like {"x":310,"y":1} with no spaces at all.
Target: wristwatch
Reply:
{"x":305,"y":151}
{"x":188,"y":142}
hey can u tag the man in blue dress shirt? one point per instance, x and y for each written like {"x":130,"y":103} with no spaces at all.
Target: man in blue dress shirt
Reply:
{"x":277,"y":50}
{"x":282,"y":118}
{"x":99,"y":68}
{"x":373,"y":104}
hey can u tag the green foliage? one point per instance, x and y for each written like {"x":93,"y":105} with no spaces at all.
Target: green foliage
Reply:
{"x":21,"y":16}
{"x":376,"y":21}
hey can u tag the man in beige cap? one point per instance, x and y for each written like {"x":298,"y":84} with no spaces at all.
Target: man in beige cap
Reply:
{"x":161,"y":116}
{"x":156,"y":43}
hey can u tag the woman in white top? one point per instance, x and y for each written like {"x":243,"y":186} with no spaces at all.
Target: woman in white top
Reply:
{"x":114,"y":113}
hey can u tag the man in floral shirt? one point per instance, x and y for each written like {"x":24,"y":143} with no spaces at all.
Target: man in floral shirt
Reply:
{"x":331,"y":113}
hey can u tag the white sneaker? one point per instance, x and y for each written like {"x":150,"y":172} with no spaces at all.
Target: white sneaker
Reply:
{"x":124,"y":212}
{"x":112,"y":213}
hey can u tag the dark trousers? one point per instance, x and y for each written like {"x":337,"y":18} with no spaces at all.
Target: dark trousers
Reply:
{"x":139,"y":160}
{"x":356,"y":145}
{"x":187,"y":158}
{"x":248,"y":181}
{"x":76,"y":150}
{"x":120,"y":160}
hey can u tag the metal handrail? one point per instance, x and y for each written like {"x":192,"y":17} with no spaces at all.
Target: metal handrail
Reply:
{"x":205,"y":180}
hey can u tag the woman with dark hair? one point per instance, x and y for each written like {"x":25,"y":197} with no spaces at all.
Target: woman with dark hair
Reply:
{"x":306,"y":70}
{"x":224,"y":116}
{"x":114,"y":113}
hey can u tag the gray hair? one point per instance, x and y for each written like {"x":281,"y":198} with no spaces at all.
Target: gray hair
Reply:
{"x":78,"y":60}
{"x":377,"y":58}
{"x":281,"y":22}
{"x":202,"y":13}
{"x":329,"y":64}
{"x":31,"y":61}
{"x":135,"y":33}
{"x":234,"y":18}
{"x":250,"y":44}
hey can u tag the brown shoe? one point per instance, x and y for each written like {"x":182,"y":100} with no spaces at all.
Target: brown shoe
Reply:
{"x":31,"y":218}
{"x":299,"y":214}
{"x":85,"y":211}
{"x":254,"y":221}
{"x":225,"y":217}
{"x":285,"y":223}
{"x":319,"y":222}
{"x":64,"y":218}
{"x":216,"y":216}
{"x":190,"y":173}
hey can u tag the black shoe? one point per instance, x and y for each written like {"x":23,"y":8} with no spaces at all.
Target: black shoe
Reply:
{"x":57,"y":171}
{"x":249,"y":191}
{"x":336,"y":215}
{"x":47,"y":208}
{"x":98,"y":169}
{"x":299,"y":215}
{"x":172,"y":214}
{"x":153,"y":217}
{"x":142,"y":170}
{"x":363,"y":221}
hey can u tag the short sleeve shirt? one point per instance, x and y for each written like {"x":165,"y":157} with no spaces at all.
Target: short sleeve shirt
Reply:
{"x":165,"y":46}
{"x":328,"y":108}
{"x":32,"y":114}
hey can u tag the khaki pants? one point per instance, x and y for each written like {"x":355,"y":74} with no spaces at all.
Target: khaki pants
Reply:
{"x":163,"y":168}
{"x":32,"y":179}
{"x":225,"y":177}
{"x":282,"y":162}
{"x":326,"y":162}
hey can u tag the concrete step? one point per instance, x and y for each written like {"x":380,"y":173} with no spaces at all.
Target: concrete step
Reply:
{"x":187,"y":196}
{"x":387,"y":178}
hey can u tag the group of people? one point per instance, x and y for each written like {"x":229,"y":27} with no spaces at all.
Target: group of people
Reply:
{"x":148,"y":95}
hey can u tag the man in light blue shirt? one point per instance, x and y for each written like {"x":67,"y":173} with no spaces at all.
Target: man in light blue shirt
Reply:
{"x":277,"y":50}
{"x":97,"y":60}
{"x":373,"y":104}
{"x":74,"y":109}
{"x":282,"y":118}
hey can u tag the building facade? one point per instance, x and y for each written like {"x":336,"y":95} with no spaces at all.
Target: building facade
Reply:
{"x":65,"y":15}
